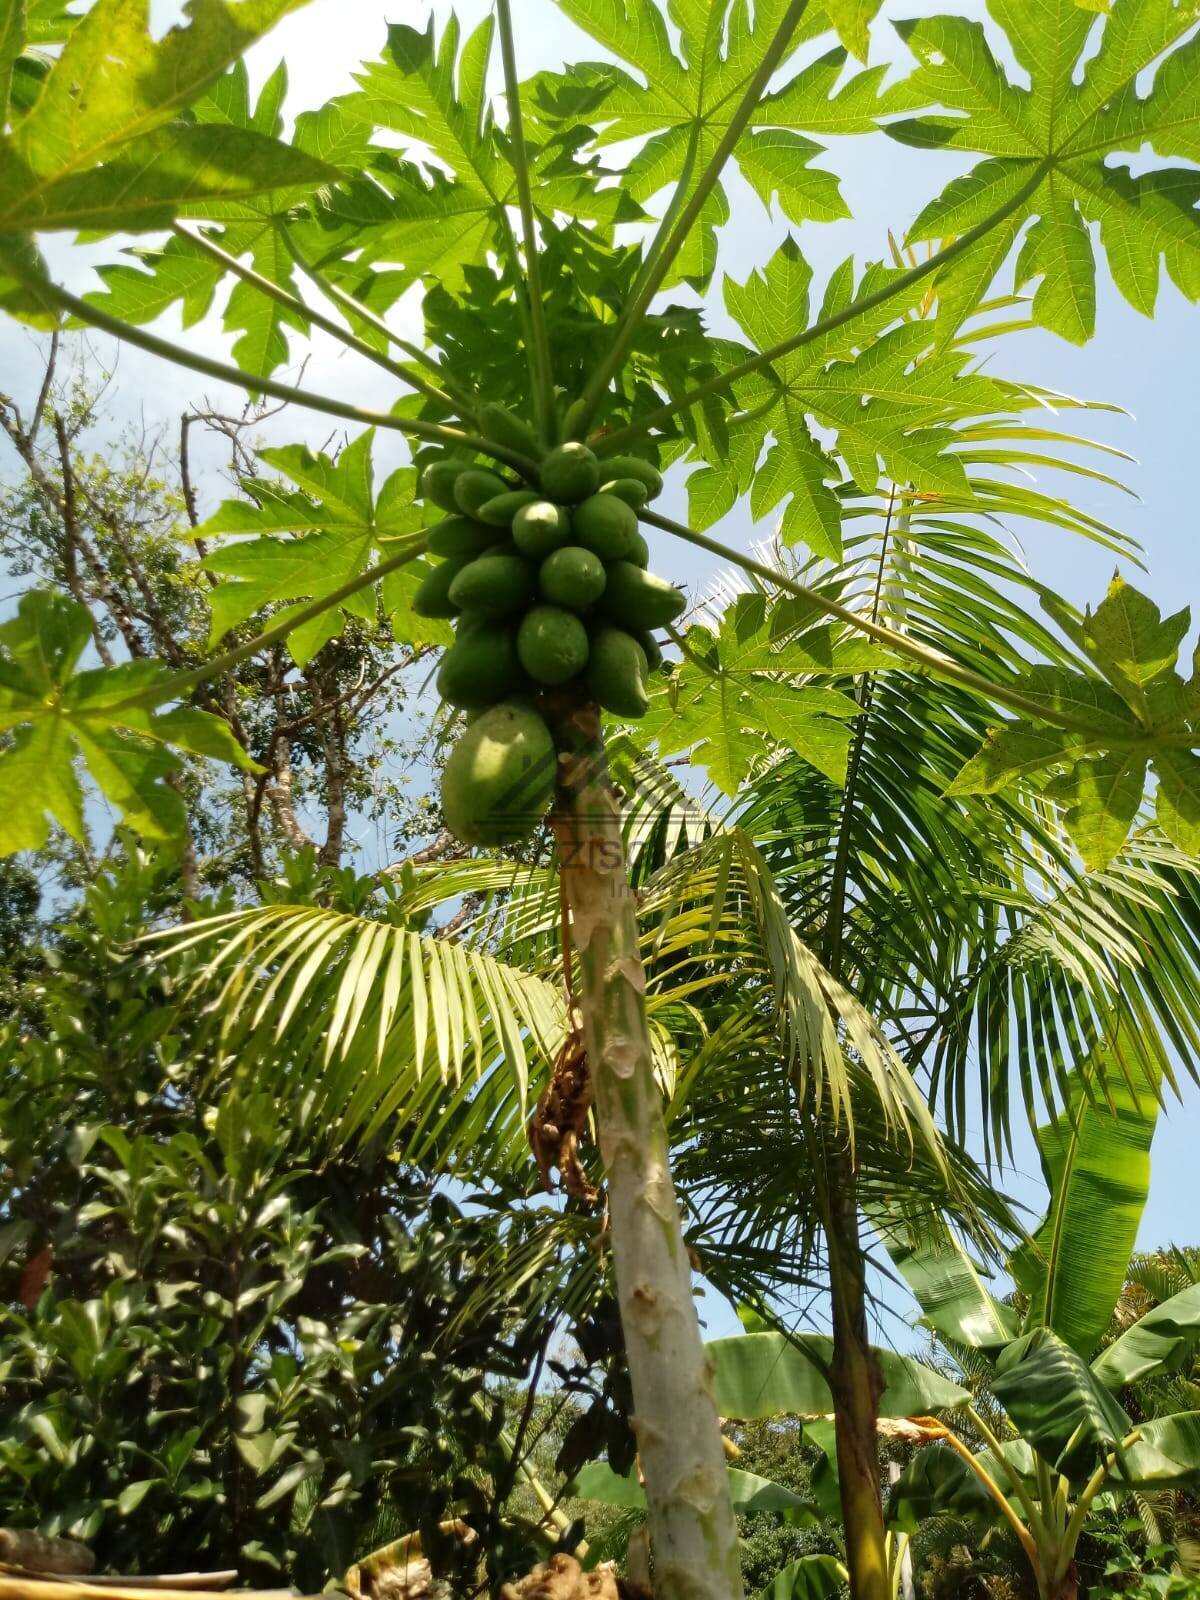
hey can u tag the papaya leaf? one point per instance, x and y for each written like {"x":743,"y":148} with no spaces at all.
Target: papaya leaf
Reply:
{"x":886,"y":399}
{"x":1178,"y":799}
{"x":307,"y":542}
{"x":1013,"y":750}
{"x":117,"y":155}
{"x":697,"y":82}
{"x":722,"y":710}
{"x":57,"y":715}
{"x":146,"y":183}
{"x":1085,"y":104}
{"x":1100,"y":796}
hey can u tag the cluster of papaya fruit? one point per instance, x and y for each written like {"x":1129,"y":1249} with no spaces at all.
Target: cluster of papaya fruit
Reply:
{"x":548,"y":590}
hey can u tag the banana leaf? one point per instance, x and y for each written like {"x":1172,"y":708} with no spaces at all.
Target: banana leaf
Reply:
{"x":946,"y":1282}
{"x":751,"y":1495}
{"x":1057,"y":1405}
{"x":1161,"y":1341}
{"x":1097,"y":1166}
{"x":773,"y":1374}
{"x":809,"y":1578}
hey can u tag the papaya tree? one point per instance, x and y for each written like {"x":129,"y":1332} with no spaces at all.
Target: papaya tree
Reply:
{"x":552,"y":385}
{"x":1058,"y":1441}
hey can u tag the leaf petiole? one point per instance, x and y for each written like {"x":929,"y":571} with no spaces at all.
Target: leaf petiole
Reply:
{"x":434,"y":433}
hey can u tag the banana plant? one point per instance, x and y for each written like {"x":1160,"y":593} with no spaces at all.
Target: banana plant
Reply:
{"x":1057,"y":1440}
{"x":767,"y":1373}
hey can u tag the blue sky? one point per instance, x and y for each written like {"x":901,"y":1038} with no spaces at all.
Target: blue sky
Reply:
{"x":1150,"y":369}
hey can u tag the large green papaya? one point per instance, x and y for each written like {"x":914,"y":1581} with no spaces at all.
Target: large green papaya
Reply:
{"x":552,"y":644}
{"x":651,"y":648}
{"x":570,"y":473}
{"x":495,"y":585}
{"x":540,"y":527}
{"x":605,"y":524}
{"x":475,"y":487}
{"x":614,"y":467}
{"x":638,"y":600}
{"x":432,"y":597}
{"x":617,"y":671}
{"x":499,"y":780}
{"x":639,"y":551}
{"x":438,"y":480}
{"x":461,"y":536}
{"x":632,"y":490}
{"x":500,"y":511}
{"x":572,"y":577}
{"x":481,"y":666}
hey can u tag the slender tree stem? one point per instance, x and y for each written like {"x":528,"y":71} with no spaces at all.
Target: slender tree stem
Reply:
{"x":54,"y":294}
{"x":543,"y":392}
{"x":925,"y":656}
{"x":180,"y":684}
{"x":311,"y":314}
{"x":898,"y":285}
{"x":692,"y":1527}
{"x":671,"y":237}
{"x":856,"y":1383}
{"x":466,"y":401}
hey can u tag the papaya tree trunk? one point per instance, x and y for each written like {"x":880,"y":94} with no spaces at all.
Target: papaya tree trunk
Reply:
{"x":693,"y":1533}
{"x":856,"y":1383}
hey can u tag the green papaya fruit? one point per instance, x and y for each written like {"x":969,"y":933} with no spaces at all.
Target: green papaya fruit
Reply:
{"x":572,"y":577}
{"x":502,"y":426}
{"x":461,"y":536}
{"x":432,"y":597}
{"x":475,"y":487}
{"x":606,"y":525}
{"x":495,"y":585}
{"x":613,"y":467}
{"x":632,"y":490}
{"x":500,"y":511}
{"x":499,"y":780}
{"x":636,"y":599}
{"x":552,"y":644}
{"x":639,"y":552}
{"x":438,"y":480}
{"x":541,"y":527}
{"x":616,"y":672}
{"x":652,"y":650}
{"x":570,"y":473}
{"x":481,"y":667}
